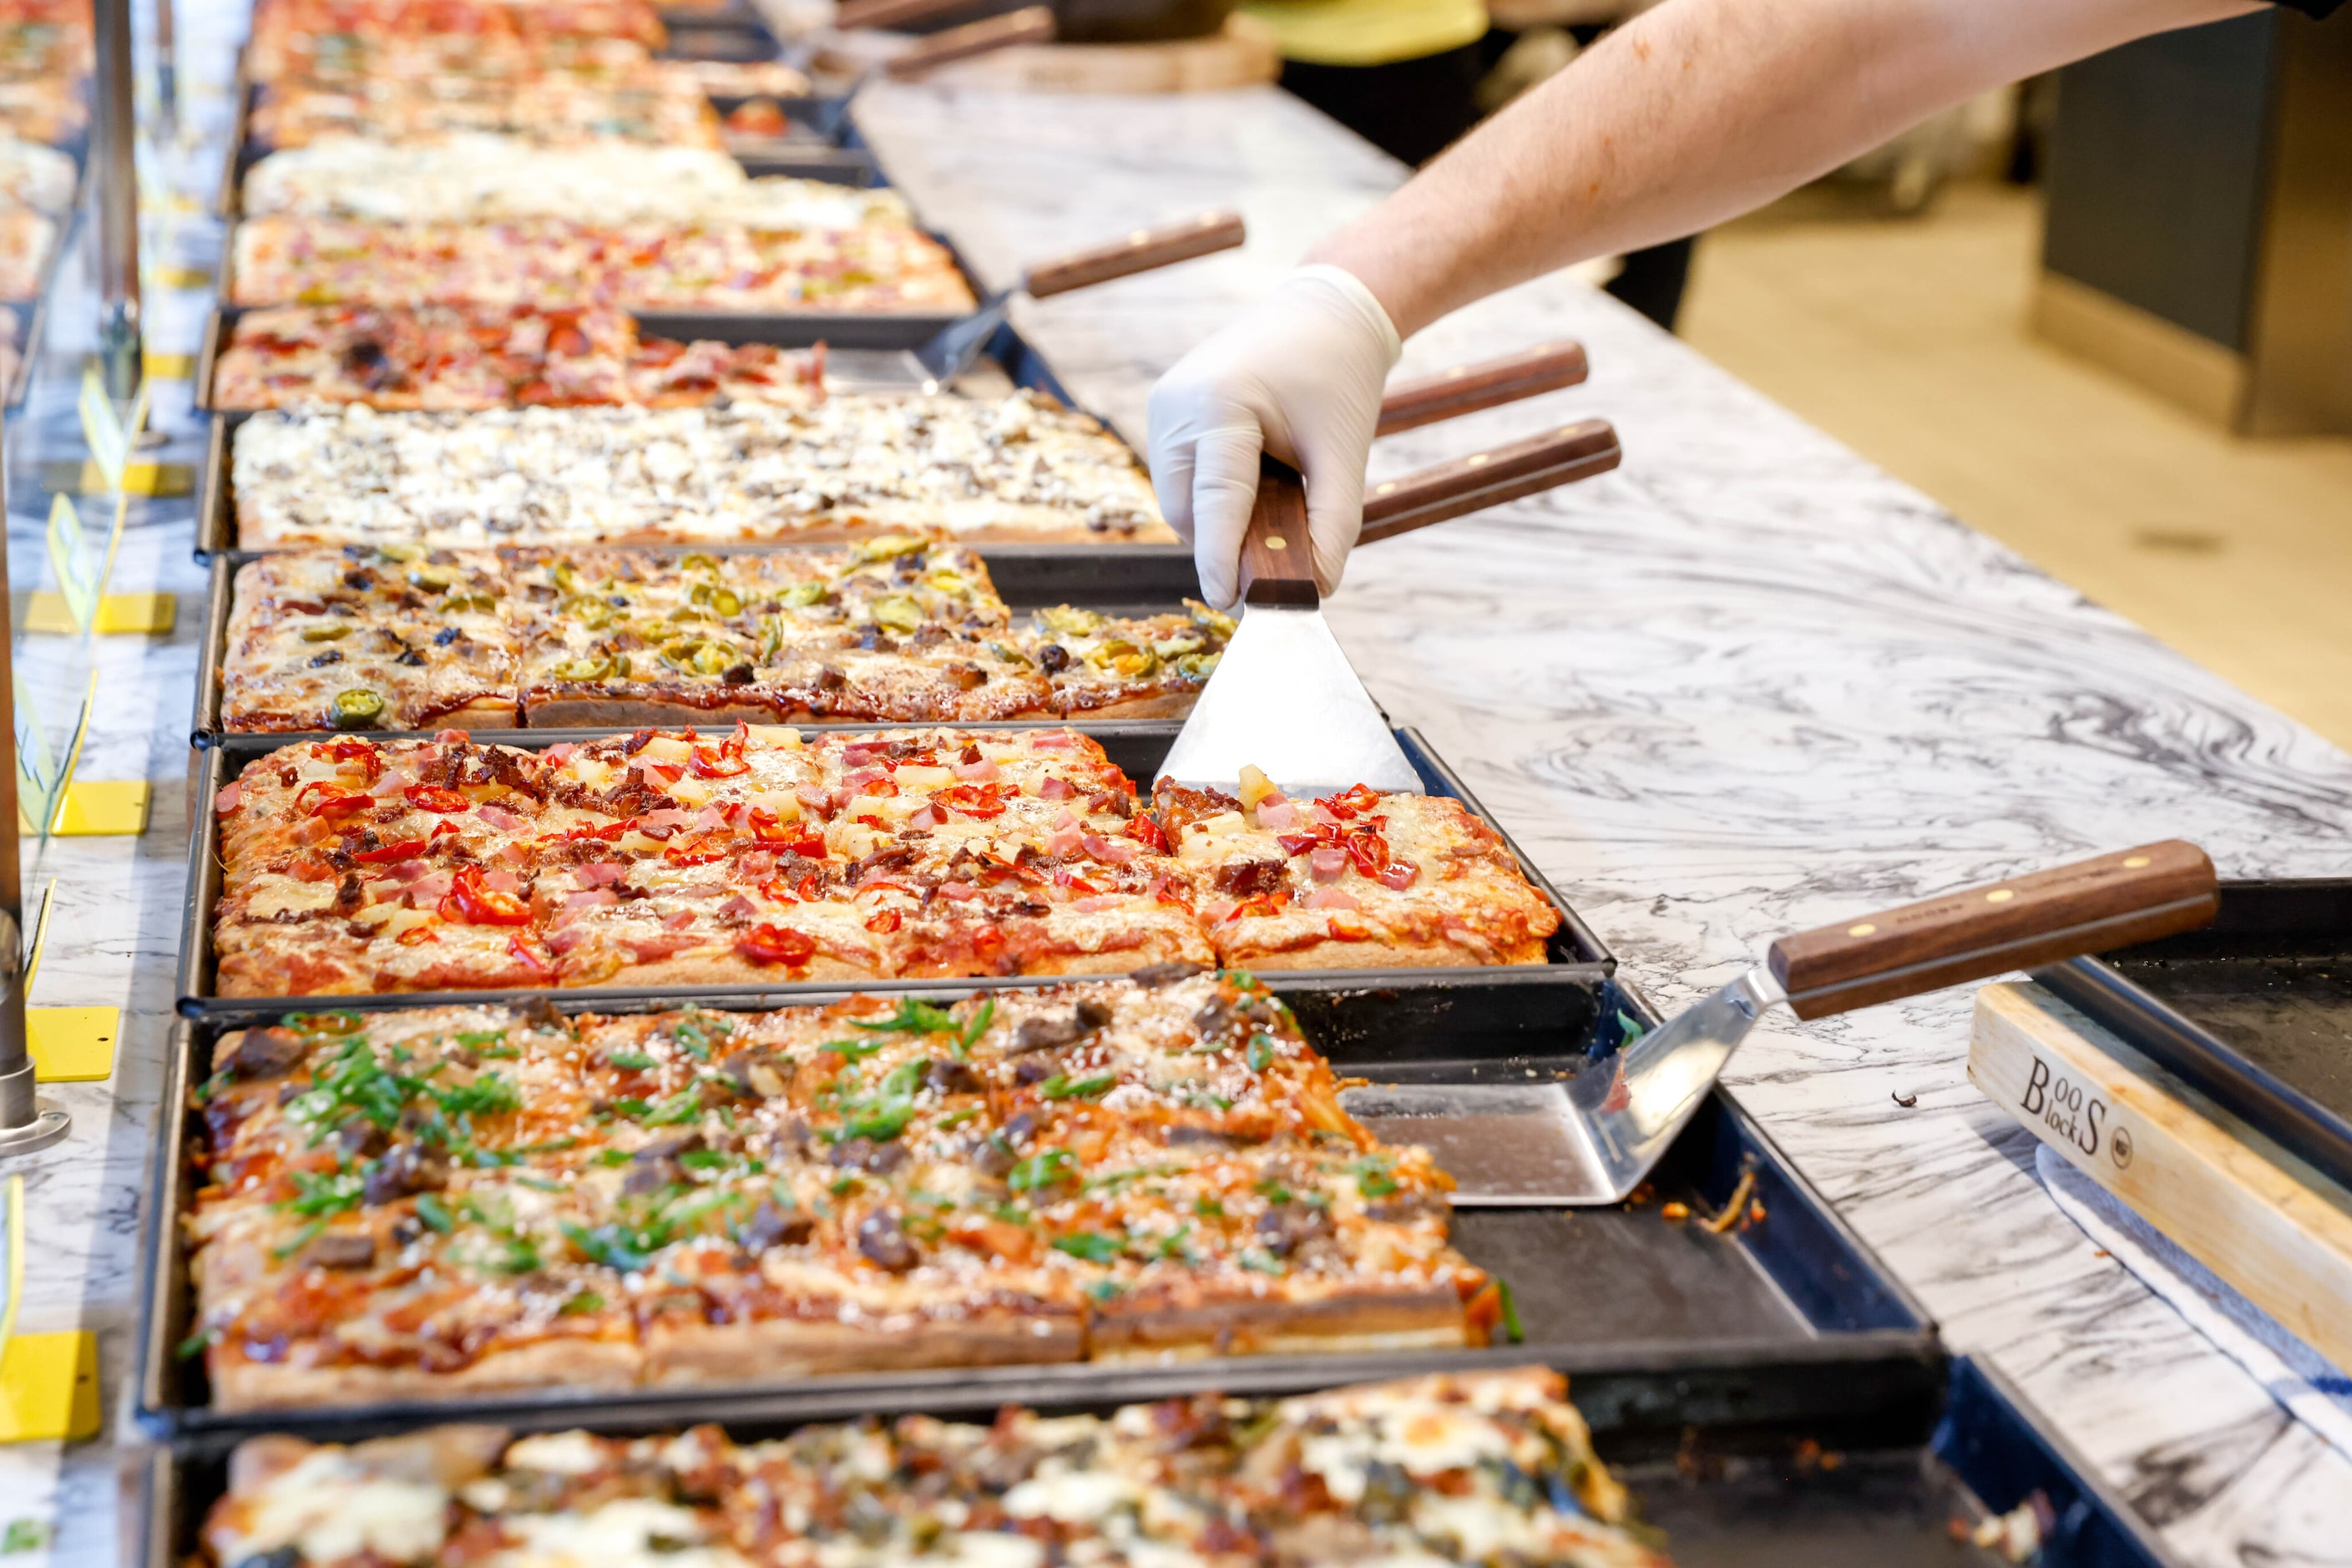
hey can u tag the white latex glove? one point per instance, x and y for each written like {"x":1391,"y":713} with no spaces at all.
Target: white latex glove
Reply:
{"x":1301,"y":374}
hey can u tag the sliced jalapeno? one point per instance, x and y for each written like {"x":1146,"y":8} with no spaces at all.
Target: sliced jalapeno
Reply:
{"x":1068,"y":620}
{"x":329,"y":631}
{"x":590,"y":666}
{"x":801,"y":594}
{"x":357,"y":709}
{"x":900,"y":611}
{"x":889,"y":547}
{"x":590,"y":611}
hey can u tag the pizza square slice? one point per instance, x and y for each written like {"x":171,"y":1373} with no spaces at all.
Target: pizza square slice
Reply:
{"x":1355,"y":880}
{"x":365,"y":639}
{"x":1125,"y":666}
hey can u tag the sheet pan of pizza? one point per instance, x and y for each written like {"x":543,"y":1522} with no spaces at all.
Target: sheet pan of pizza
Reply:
{"x":896,"y":630}
{"x":761,"y":859}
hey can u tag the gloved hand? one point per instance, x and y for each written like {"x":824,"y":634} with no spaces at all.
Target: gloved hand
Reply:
{"x":1301,"y":374}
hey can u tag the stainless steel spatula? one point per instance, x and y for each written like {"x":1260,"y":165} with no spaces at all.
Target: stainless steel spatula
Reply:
{"x":1595,"y":1137}
{"x":1284,"y":698}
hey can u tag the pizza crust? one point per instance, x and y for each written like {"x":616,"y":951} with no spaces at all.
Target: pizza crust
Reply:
{"x":767,"y":1349}
{"x":1374,"y":953}
{"x":239,"y":1384}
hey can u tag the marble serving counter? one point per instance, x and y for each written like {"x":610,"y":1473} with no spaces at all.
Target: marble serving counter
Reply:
{"x":1743,"y":686}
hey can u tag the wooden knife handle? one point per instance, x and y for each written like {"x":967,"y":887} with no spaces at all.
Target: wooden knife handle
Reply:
{"x":1487,"y":478}
{"x":1277,"y":555}
{"x":1488,"y":384}
{"x":890,"y":13}
{"x":2133,"y":895}
{"x":1030,"y":25}
{"x":1141,"y":251}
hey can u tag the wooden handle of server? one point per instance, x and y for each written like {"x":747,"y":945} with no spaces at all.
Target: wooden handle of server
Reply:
{"x":1277,"y":555}
{"x":1467,"y":388}
{"x":2114,"y":901}
{"x":1141,"y":251}
{"x":1488,"y":478}
{"x":1030,"y":25}
{"x":890,"y":13}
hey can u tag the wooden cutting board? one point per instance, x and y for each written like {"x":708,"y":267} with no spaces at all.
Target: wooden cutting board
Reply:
{"x":2255,"y":1215}
{"x":1243,"y":55}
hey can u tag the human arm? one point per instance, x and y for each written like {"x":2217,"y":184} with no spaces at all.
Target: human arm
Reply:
{"x":1691,"y":113}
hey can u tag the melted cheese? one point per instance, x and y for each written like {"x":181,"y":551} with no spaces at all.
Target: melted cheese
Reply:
{"x":329,"y":1508}
{"x":628,"y":1532}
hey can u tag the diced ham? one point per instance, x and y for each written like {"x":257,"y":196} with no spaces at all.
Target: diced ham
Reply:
{"x":1400,"y":875}
{"x":738,"y":908}
{"x":679,"y":920}
{"x":860,"y":778}
{"x":515,"y":854}
{"x":560,"y":752}
{"x":668,"y":816}
{"x":588,"y":900}
{"x":426,"y":891}
{"x":1098,"y":903}
{"x":311,"y":830}
{"x":501,"y":882}
{"x":928,"y":817}
{"x":452,"y":737}
{"x":1115,"y":851}
{"x":600,"y":873}
{"x":406,"y":871}
{"x":814,"y":797}
{"x":1331,"y":898}
{"x":1064,"y":818}
{"x":982,"y":772}
{"x":758,"y":863}
{"x":1053,"y":741}
{"x":1065,"y":840}
{"x":1276,"y":815}
{"x":709,"y":819}
{"x":565,"y":939}
{"x":498,"y":816}
{"x":1055,"y":789}
{"x":1313,"y":812}
{"x":1217,"y":911}
{"x":649,"y":948}
{"x":226,"y":801}
{"x":858,"y":753}
{"x":1327,"y":864}
{"x":958,"y":893}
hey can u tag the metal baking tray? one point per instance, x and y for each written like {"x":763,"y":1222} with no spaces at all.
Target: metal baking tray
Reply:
{"x":1736,"y":1473}
{"x":1525,"y":1007}
{"x":2254,"y":1011}
{"x":739,"y":38}
{"x":1009,"y":362}
{"x":1794,"y":1288}
{"x":1144,"y":581}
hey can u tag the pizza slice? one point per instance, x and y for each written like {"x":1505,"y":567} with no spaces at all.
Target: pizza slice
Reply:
{"x":1355,"y":880}
{"x":1127,"y":666}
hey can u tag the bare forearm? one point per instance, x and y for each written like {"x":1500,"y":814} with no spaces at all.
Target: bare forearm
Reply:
{"x":1698,"y":111}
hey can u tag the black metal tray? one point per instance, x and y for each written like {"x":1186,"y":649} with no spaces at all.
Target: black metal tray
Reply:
{"x":1811,"y":1462}
{"x":1795,"y":1288}
{"x":1518,"y":1009}
{"x":1144,"y":581}
{"x":1021,"y":363}
{"x":2254,"y":1011}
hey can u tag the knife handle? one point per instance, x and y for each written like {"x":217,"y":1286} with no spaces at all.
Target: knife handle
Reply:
{"x":1030,"y":25}
{"x":1141,"y":251}
{"x":858,"y":14}
{"x":1488,"y":384}
{"x":1277,"y":555}
{"x":2114,"y":901}
{"x":1487,"y":478}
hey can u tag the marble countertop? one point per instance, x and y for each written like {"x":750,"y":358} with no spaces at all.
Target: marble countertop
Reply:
{"x":1745,"y":685}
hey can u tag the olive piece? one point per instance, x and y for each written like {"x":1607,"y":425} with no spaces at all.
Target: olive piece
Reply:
{"x":332,"y":631}
{"x":357,"y":709}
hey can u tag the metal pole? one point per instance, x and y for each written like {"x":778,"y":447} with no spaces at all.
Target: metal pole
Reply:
{"x":26,"y":1124}
{"x":114,"y":149}
{"x":167,"y":67}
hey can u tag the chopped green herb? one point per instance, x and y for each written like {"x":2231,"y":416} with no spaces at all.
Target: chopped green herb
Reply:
{"x":1632,"y":1026}
{"x":702,"y":1159}
{"x":631,"y":1061}
{"x":475,"y":1039}
{"x":1089,"y":1245}
{"x":324,"y":1023}
{"x":1274,"y":1192}
{"x":841,"y":1185}
{"x":1061,"y":1087}
{"x":1373,"y":1177}
{"x":608,"y":1245}
{"x":683,"y":1106}
{"x":435,"y":1218}
{"x":540,"y":1184}
{"x":1106,"y":1289}
{"x":914,"y":1016}
{"x":632,"y":1107}
{"x":1208,"y":1208}
{"x":322,"y":1195}
{"x":697,"y":1043}
{"x":854,"y":1049}
{"x":1261,"y":1052}
{"x":195,"y":1343}
{"x":1047,"y":1168}
{"x":303,"y":1238}
{"x":1262,"y":1262}
{"x":1510,"y":1312}
{"x":586,"y":1301}
{"x":977,"y":1028}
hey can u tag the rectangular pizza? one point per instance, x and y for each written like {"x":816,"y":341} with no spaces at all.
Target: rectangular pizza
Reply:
{"x":401,"y":638}
{"x":1017,"y":470}
{"x":1490,"y":1467}
{"x":635,"y":99}
{"x":478,"y":177}
{"x":287,"y":33}
{"x":355,"y":866}
{"x":559,"y":263}
{"x":463,"y":1200}
{"x":448,"y":358}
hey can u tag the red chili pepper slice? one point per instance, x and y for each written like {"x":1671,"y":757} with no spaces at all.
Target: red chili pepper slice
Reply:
{"x":432,"y":797}
{"x":1369,"y":851}
{"x":979,"y":801}
{"x":334,"y":799}
{"x":774,"y":888}
{"x":724,"y":763}
{"x":1298,"y":843}
{"x":776,"y":945}
{"x":1146,"y":832}
{"x":1348,"y":802}
{"x":406,"y":849}
{"x":470,"y":903}
{"x":885,"y":921}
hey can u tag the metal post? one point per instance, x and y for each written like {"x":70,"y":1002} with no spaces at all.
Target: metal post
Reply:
{"x":167,"y":67}
{"x":114,"y":151}
{"x":26,"y":1124}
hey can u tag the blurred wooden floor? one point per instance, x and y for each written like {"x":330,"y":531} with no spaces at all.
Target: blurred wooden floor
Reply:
{"x":1906,"y":340}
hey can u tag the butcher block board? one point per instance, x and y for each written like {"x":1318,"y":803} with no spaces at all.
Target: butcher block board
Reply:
{"x":2255,"y":1215}
{"x":1243,"y":55}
